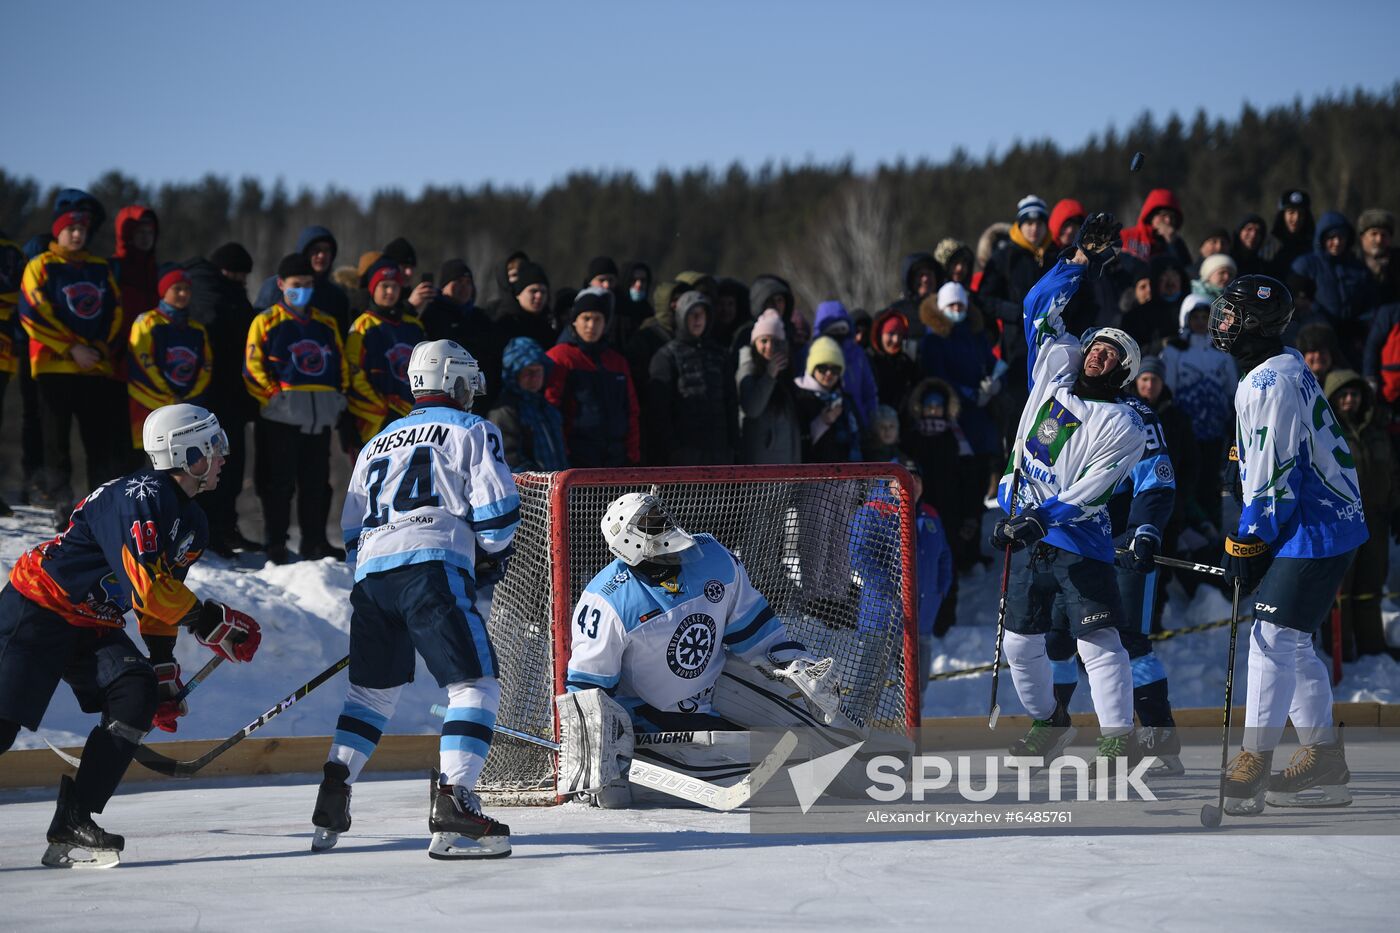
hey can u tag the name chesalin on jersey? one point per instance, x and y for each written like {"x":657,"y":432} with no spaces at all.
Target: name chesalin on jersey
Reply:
{"x":1072,"y":452}
{"x":433,"y":485}
{"x":1301,"y":495}
{"x":128,"y":546}
{"x":665,"y":643}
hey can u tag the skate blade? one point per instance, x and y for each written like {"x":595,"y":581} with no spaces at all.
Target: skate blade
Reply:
{"x":448,"y":846}
{"x":324,"y":840}
{"x":60,"y":855}
{"x":1324,"y":795}
{"x":1167,"y":766}
{"x":1245,"y":806}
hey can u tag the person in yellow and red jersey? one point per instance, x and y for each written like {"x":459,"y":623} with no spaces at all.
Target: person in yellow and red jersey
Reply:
{"x":71,"y":309}
{"x":379,"y":346}
{"x":128,"y":547}
{"x":294,"y":365}
{"x":11,"y":271}
{"x":170,"y":360}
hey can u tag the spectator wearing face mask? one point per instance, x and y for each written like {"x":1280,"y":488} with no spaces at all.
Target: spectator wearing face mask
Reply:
{"x":957,"y":350}
{"x":857,"y":379}
{"x":318,"y":245}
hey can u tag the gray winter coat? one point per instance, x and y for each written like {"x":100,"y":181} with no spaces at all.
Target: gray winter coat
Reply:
{"x":768,"y":428}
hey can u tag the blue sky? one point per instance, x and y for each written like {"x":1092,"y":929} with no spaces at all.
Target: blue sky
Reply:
{"x":400,"y":94}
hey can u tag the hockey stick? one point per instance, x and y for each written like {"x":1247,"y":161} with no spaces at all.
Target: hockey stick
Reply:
{"x":1210,"y":815}
{"x":182,"y":769}
{"x":185,"y":691}
{"x":994,"y":712}
{"x":1208,"y":569}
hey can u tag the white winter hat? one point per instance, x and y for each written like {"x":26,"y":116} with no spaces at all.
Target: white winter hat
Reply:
{"x":951,"y":293}
{"x":1191,"y":303}
{"x":1214,"y":263}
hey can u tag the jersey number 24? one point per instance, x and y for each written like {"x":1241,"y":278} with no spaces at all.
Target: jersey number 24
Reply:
{"x":415,"y":490}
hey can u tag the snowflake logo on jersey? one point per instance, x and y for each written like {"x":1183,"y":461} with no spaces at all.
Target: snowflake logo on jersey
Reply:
{"x":1263,"y":379}
{"x":692,"y":646}
{"x":84,"y":299}
{"x":309,"y":357}
{"x":714,"y":590}
{"x":397,"y":358}
{"x":140,"y":487}
{"x":180,"y":365}
{"x":1164,"y":471}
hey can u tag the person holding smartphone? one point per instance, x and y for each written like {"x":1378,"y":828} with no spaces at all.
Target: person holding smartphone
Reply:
{"x":768,"y":428}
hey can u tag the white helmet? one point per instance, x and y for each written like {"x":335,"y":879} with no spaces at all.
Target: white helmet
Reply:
{"x":638,"y":528}
{"x":176,"y":437}
{"x":444,"y":367}
{"x":1130,"y":355}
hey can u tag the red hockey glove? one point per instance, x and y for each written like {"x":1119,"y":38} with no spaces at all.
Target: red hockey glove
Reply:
{"x":168,"y":687}
{"x":231,"y":634}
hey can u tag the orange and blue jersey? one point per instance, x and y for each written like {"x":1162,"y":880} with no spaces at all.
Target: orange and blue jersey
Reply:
{"x":67,"y":300}
{"x":378,"y":349}
{"x":128,"y":546}
{"x":171,"y":361}
{"x":288,"y":351}
{"x":11,"y":272}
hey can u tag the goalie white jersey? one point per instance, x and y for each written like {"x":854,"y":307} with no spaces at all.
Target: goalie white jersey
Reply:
{"x":433,"y":485}
{"x":665,"y":643}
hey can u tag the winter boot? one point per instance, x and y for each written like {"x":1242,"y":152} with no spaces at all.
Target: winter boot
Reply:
{"x":1246,"y":782}
{"x":332,"y":814}
{"x":1316,"y":776}
{"x":1162,"y":743}
{"x":459,"y":829}
{"x":73,"y":828}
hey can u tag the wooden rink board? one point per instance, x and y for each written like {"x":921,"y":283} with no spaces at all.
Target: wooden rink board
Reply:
{"x":39,"y":767}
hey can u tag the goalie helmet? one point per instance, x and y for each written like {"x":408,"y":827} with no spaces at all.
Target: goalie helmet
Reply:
{"x":444,"y":367}
{"x":177,"y":437}
{"x":1129,"y":354}
{"x":1251,"y":304}
{"x":638,"y":528}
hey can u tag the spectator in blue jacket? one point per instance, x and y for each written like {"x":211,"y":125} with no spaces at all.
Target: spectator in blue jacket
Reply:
{"x":858,"y":380}
{"x":1343,"y":288}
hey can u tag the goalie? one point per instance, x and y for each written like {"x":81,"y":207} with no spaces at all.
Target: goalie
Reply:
{"x":653,"y":629}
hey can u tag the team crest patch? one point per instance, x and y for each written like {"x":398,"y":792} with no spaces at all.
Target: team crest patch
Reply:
{"x":309,"y":357}
{"x":84,"y":299}
{"x":692,"y":646}
{"x":181,"y":363}
{"x":397,"y":357}
{"x":714,"y":590}
{"x":1264,"y":291}
{"x":1263,"y":379}
{"x":1164,"y":472}
{"x":1047,"y":431}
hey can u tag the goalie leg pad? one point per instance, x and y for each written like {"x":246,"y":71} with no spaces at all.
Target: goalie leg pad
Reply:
{"x":595,"y":741}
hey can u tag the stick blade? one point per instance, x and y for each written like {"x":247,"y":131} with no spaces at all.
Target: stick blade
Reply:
{"x":993,"y":716}
{"x":72,"y":761}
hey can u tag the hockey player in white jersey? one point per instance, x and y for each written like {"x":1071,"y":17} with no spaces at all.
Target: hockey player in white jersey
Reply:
{"x":654,"y":629}
{"x":1300,"y":522}
{"x":429,"y":518}
{"x":1076,"y":441}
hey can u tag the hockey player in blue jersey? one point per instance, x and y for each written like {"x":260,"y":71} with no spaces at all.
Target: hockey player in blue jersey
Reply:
{"x":128,"y":547}
{"x":428,"y":520}
{"x":1300,"y":523}
{"x":654,"y":629}
{"x":1075,"y":443}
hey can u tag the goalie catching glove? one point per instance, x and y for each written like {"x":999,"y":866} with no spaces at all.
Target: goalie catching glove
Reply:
{"x":595,"y":741}
{"x":814,"y":678}
{"x":230,"y":634}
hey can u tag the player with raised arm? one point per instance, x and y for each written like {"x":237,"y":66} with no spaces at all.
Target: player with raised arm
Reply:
{"x":650,"y":637}
{"x":428,"y":520}
{"x":1076,"y":442}
{"x":1300,"y":521}
{"x":128,"y":546}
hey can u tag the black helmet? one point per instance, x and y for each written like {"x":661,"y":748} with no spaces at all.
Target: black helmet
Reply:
{"x":1251,"y":304}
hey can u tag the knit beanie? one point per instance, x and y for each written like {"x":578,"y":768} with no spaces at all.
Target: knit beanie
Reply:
{"x":600,"y":265}
{"x":951,"y":293}
{"x":452,"y":270}
{"x":1031,"y":207}
{"x":172,"y":277}
{"x":1374,"y":218}
{"x":1296,"y":198}
{"x":232,"y":257}
{"x":895,"y":322}
{"x":1154,"y":365}
{"x":947,"y":248}
{"x":383,"y":268}
{"x":70,"y":218}
{"x":769,"y":324}
{"x":592,"y":299}
{"x":1211,"y":264}
{"x":528,"y":274}
{"x":825,"y":352}
{"x":294,"y":264}
{"x":401,"y":251}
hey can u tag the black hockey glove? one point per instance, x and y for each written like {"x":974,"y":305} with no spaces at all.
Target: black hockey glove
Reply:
{"x":1246,"y":559}
{"x":491,"y":567}
{"x":1019,"y":532}
{"x":1098,"y":237}
{"x":1140,"y":556}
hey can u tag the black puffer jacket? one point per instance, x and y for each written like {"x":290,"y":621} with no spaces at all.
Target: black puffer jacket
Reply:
{"x":222,"y":306}
{"x":691,"y":409}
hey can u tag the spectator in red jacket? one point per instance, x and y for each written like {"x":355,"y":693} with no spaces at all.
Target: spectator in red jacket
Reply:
{"x":1156,"y":231}
{"x":591,"y":385}
{"x":1065,"y":221}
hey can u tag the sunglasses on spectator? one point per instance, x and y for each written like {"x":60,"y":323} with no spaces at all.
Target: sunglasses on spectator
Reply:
{"x":826,"y":368}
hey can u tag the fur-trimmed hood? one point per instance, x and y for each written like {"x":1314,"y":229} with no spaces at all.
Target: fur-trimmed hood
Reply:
{"x":938,"y":324}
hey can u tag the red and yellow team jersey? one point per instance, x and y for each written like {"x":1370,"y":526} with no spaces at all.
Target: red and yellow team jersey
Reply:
{"x":69,"y":299}
{"x":378,"y":349}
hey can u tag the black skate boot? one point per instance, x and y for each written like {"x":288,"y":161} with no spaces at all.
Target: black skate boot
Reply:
{"x":1162,"y":743}
{"x":1316,"y":776}
{"x":332,"y":814}
{"x":1246,"y":782}
{"x":73,"y":828}
{"x":459,"y":829}
{"x":1046,"y":738}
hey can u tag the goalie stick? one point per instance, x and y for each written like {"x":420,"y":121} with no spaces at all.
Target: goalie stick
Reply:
{"x":683,"y":786}
{"x":185,"y":691}
{"x":170,"y":767}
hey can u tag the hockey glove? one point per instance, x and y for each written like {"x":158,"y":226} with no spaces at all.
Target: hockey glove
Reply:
{"x":1141,"y":553}
{"x":491,"y":567}
{"x":1246,"y":559}
{"x":1098,"y":238}
{"x":168,"y":688}
{"x":1020,"y":532}
{"x":230,"y":634}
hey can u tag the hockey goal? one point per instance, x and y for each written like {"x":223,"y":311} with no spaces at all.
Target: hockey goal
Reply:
{"x":829,"y":545}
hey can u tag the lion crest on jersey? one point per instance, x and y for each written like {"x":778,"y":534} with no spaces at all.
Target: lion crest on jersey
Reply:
{"x":692,"y":646}
{"x":397,"y":358}
{"x":181,"y":363}
{"x":309,"y":357}
{"x":84,"y":299}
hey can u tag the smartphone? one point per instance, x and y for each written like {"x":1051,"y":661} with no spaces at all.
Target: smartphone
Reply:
{"x":427,"y":278}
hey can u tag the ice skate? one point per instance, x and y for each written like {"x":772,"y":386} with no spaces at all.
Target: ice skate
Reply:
{"x":1046,"y":739}
{"x":1162,"y":743}
{"x":459,"y":829}
{"x":73,"y":828}
{"x":1316,"y":776}
{"x":1246,"y":782}
{"x":332,"y":814}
